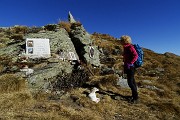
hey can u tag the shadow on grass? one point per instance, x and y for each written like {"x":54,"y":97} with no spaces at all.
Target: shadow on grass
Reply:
{"x":115,"y":96}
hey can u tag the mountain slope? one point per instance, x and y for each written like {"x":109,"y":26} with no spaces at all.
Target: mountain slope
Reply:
{"x":158,"y":86}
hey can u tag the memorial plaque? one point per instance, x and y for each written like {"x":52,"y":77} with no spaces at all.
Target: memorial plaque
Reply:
{"x":37,"y":47}
{"x":91,"y":52}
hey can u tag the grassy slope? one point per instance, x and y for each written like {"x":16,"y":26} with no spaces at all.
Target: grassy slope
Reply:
{"x":17,"y":102}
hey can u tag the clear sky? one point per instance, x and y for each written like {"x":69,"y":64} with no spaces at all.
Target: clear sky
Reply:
{"x":154,"y":24}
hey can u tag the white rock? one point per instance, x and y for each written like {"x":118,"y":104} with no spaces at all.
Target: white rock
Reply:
{"x":28,"y":71}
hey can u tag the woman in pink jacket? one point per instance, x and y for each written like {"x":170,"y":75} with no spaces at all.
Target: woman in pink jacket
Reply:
{"x":130,"y":56}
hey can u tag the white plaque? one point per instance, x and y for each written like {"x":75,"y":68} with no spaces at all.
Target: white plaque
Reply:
{"x":37,"y":47}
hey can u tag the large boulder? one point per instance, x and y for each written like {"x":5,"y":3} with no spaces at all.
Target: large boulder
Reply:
{"x":52,"y":67}
{"x":83,"y":43}
{"x":46,"y":70}
{"x":59,"y":41}
{"x":13,"y":50}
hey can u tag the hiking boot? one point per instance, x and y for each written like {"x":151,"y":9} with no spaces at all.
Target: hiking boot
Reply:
{"x":134,"y":101}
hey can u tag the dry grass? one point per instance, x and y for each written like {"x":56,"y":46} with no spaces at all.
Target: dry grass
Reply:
{"x":65,"y":25}
{"x":75,"y":105}
{"x":106,"y":41}
{"x":11,"y":83}
{"x":1,"y":68}
{"x":18,"y":103}
{"x":50,"y":27}
{"x":4,"y":40}
{"x":17,"y":36}
{"x":19,"y":29}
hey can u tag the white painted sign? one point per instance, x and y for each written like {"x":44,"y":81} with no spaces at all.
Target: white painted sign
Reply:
{"x":37,"y":47}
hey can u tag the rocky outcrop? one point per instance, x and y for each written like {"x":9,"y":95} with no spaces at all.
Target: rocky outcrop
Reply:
{"x":42,"y":77}
{"x":13,"y":50}
{"x":46,"y":70}
{"x":71,"y":18}
{"x":82,"y":40}
{"x":59,"y":41}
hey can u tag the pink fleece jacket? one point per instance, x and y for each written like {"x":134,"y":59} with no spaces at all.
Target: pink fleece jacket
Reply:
{"x":130,"y":55}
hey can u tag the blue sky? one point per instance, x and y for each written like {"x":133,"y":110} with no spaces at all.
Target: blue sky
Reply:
{"x":154,"y":24}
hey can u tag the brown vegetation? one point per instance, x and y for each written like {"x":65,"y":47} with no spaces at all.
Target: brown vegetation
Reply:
{"x":11,"y":83}
{"x":65,"y":25}
{"x":50,"y":27}
{"x":19,"y":102}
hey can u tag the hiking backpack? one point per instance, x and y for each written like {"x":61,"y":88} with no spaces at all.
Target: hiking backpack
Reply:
{"x":140,"y":53}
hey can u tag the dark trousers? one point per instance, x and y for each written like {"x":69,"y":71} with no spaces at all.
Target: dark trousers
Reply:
{"x":131,"y":82}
